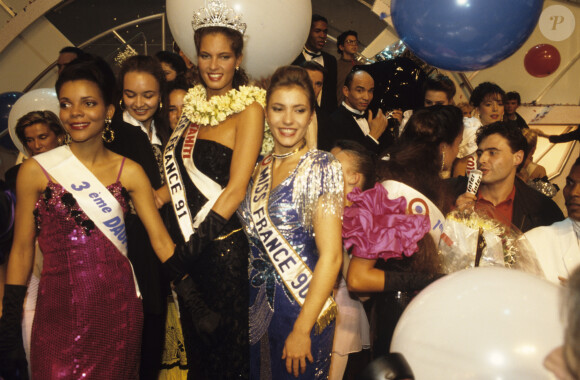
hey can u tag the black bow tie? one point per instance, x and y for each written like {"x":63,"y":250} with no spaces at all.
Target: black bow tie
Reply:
{"x":312,"y":54}
{"x":358,"y":115}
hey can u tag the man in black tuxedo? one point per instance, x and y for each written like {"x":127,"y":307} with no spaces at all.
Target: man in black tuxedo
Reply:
{"x":312,"y":51}
{"x":353,"y":121}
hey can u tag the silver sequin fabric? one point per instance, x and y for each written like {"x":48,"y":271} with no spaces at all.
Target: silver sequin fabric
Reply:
{"x":317,"y":181}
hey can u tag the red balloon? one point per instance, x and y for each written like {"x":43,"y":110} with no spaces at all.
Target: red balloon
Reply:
{"x":542,"y":60}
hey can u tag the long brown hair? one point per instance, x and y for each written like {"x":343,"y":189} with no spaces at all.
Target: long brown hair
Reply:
{"x":236,"y":43}
{"x":416,"y":161}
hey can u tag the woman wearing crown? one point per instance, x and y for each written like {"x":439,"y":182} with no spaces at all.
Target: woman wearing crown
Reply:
{"x":208,"y":163}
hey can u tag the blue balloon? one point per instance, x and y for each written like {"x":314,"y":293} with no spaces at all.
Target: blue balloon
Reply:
{"x":7,"y":100}
{"x":464,"y":35}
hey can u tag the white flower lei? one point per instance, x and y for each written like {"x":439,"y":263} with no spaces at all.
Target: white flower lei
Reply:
{"x":218,"y":108}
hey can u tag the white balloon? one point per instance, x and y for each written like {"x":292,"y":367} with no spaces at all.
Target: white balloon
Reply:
{"x":276,"y":30}
{"x":40,"y":99}
{"x":481,"y":323}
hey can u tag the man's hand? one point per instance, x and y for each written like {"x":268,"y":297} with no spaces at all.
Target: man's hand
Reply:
{"x":465,"y":200}
{"x":377,"y":125}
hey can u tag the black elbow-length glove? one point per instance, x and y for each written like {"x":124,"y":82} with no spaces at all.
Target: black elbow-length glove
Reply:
{"x":408,"y":281}
{"x":204,"y":320}
{"x":13,"y":365}
{"x":185,"y":255}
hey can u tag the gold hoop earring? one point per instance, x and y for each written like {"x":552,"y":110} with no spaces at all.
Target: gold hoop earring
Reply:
{"x":238,"y":68}
{"x":108,"y":134}
{"x":121,"y":105}
{"x":160,"y":106}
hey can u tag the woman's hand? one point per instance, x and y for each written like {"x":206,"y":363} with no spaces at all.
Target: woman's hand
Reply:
{"x":296,"y":351}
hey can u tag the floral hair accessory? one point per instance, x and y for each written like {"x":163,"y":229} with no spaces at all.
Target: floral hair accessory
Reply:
{"x":378,"y":227}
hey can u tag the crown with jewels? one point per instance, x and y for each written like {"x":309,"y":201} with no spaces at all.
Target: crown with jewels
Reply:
{"x":217,"y":13}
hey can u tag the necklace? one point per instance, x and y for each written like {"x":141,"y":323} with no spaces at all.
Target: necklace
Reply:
{"x":202,"y":111}
{"x":284,"y":155}
{"x":199,"y":110}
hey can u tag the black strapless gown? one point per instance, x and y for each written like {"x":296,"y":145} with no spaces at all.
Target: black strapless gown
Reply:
{"x":221,"y":275}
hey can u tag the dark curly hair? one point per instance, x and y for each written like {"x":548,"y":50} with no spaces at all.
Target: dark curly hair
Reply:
{"x":483,"y":90}
{"x":514,"y":136}
{"x":342,"y":37}
{"x":441,"y":83}
{"x":173,"y":60}
{"x":93,"y":69}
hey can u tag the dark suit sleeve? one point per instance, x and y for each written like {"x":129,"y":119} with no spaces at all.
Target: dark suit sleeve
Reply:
{"x":298,"y":60}
{"x":132,"y":143}
{"x":533,"y":209}
{"x":521,"y":122}
{"x":328,"y":97}
{"x":343,"y":127}
{"x":566,"y":137}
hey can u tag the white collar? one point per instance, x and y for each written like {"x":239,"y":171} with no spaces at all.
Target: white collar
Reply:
{"x":576,"y":226}
{"x":128,"y":118}
{"x":353,"y":110}
{"x":312,"y":53}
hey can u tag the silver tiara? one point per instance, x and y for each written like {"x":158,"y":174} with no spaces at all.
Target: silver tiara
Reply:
{"x":217,"y":13}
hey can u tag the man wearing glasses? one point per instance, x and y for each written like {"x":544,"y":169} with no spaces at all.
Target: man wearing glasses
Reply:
{"x":347,"y":46}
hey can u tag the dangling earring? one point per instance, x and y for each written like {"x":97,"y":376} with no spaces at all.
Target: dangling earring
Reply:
{"x":238,"y":68}
{"x":442,"y":160}
{"x":160,"y":106}
{"x":67,"y":139}
{"x":108,"y":134}
{"x":121,"y":105}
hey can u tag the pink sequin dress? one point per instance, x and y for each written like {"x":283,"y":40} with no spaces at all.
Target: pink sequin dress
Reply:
{"x":88,"y":320}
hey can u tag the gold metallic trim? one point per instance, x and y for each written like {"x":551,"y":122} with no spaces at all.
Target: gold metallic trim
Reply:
{"x":228,"y":234}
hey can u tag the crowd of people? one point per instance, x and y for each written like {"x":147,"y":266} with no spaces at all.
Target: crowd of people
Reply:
{"x":166,"y":240}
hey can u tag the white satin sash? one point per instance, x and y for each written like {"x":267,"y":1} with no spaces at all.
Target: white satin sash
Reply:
{"x":292,"y":270}
{"x":209,"y":188}
{"x":417,"y":203}
{"x":91,"y":195}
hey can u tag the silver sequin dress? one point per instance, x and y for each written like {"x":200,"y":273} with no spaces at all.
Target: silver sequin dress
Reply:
{"x":273,"y":311}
